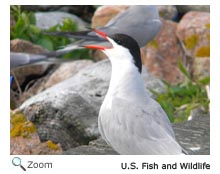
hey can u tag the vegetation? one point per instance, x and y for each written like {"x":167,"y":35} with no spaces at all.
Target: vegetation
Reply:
{"x":25,"y":28}
{"x":179,"y":100}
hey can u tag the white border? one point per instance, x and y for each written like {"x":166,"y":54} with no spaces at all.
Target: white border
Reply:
{"x":107,"y":164}
{"x":106,"y":2}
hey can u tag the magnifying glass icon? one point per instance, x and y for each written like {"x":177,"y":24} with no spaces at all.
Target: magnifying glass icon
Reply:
{"x":17,"y":162}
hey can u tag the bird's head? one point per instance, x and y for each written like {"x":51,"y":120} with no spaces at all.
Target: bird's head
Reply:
{"x":118,"y":47}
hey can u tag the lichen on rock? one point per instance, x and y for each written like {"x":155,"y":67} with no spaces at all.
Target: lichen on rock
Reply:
{"x":52,"y":145}
{"x":203,"y":51}
{"x":191,"y":41}
{"x":20,"y":126}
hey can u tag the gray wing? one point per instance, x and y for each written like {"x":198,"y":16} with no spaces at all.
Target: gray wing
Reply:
{"x":18,"y":60}
{"x":21,"y":59}
{"x":141,"y":22}
{"x":149,"y":118}
{"x":145,"y":128}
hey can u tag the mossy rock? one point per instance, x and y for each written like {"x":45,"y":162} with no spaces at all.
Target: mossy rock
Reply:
{"x":20,"y":126}
{"x":153,"y":44}
{"x":207,"y":25}
{"x":203,"y":51}
{"x":191,"y":41}
{"x":52,"y":145}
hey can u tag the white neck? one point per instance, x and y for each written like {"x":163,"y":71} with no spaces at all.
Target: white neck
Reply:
{"x":126,"y":81}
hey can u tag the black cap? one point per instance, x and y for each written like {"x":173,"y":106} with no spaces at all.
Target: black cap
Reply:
{"x":132,"y":45}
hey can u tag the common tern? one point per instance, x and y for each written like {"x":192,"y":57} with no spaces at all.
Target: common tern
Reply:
{"x":141,"y":22}
{"x":129,"y":119}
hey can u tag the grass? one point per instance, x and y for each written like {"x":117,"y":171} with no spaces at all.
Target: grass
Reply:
{"x":179,"y":100}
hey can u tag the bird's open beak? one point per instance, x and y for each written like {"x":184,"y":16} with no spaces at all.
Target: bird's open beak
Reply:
{"x":98,"y":40}
{"x":101,"y":43}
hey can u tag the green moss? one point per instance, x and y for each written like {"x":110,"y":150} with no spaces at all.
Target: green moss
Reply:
{"x":191,"y":41}
{"x":20,"y":126}
{"x":203,"y":51}
{"x":153,"y":44}
{"x":52,"y":145}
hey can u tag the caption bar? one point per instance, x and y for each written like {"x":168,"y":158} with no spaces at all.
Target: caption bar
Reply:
{"x":166,"y":166}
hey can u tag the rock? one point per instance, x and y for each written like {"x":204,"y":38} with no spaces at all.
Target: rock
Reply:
{"x":96,"y":147}
{"x":187,"y":8}
{"x":201,"y":68}
{"x":65,"y":71}
{"x":43,"y":19}
{"x":168,"y":12}
{"x":67,"y":112}
{"x":60,"y":73}
{"x":194,"y":31}
{"x":18,"y":45}
{"x":68,"y":119}
{"x":105,"y":13}
{"x":83,"y":11}
{"x":28,"y":73}
{"x":193,"y":135}
{"x":163,"y":53}
{"x":32,"y":146}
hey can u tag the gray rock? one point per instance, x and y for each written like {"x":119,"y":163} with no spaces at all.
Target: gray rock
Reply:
{"x":67,"y":112}
{"x":96,"y":147}
{"x":43,"y":19}
{"x":168,"y":12}
{"x":65,"y":118}
{"x":187,"y":8}
{"x":83,"y":11}
{"x":194,"y":135}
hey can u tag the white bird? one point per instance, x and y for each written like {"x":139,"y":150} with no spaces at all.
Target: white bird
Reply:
{"x":129,"y":120}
